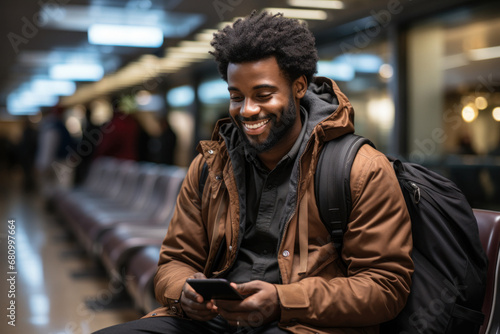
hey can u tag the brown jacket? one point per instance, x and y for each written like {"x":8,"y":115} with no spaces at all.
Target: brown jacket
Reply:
{"x":320,"y":292}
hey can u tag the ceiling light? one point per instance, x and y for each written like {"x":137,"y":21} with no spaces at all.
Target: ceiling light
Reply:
{"x":173,"y":66}
{"x":224,"y":24}
{"x":214,"y":91}
{"x":53,"y":87}
{"x":190,"y":56}
{"x":182,"y":96}
{"x":454,"y":61}
{"x":74,"y":125}
{"x":386,"y":71}
{"x":339,"y":71}
{"x":381,"y":111}
{"x":481,"y":103}
{"x":123,"y":35}
{"x":205,"y":44}
{"x":168,"y":65}
{"x":496,"y":114}
{"x":143,"y":97}
{"x":469,"y":113}
{"x":191,"y":49}
{"x":80,"y":17}
{"x":484,"y":53}
{"x":327,"y":4}
{"x":76,"y":72}
{"x":306,"y":14}
{"x":206,"y":35}
{"x":24,"y":102}
{"x":175,"y":61}
{"x":361,"y":62}
{"x":15,"y":106}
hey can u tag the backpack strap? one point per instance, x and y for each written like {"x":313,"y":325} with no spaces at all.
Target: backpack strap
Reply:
{"x":332,"y":183}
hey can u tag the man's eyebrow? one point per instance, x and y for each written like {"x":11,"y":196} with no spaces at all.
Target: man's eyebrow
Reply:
{"x":254,"y":87}
{"x":264,"y":86}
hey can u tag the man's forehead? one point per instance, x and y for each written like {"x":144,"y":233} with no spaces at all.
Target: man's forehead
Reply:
{"x":264,"y":69}
{"x":268,"y":61}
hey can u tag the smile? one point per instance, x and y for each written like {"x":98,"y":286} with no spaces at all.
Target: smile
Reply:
{"x":256,"y":125}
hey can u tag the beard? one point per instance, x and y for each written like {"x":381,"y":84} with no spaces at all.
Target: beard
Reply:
{"x":277,"y":131}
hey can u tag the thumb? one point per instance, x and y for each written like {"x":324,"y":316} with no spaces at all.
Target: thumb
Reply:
{"x":199,"y":276}
{"x":247,"y":288}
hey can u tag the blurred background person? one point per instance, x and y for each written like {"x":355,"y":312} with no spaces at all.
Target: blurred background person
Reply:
{"x":54,"y":145}
{"x":26,"y":152}
{"x":162,"y":147}
{"x":120,"y":136}
{"x":90,"y":138}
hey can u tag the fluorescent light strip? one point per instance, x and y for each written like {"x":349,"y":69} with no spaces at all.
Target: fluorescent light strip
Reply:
{"x":454,"y":61}
{"x":317,"y":4}
{"x":206,"y":35}
{"x":174,"y":64}
{"x":53,"y":87}
{"x":77,"y":72}
{"x":122,"y":35}
{"x":183,"y":55}
{"x":223,"y":24}
{"x":196,"y":44}
{"x":306,"y":14}
{"x":190,"y":49}
{"x":484,"y":53}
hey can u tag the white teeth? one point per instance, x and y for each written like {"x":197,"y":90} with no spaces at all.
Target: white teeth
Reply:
{"x":256,"y":125}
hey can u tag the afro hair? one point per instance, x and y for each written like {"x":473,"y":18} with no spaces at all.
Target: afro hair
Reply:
{"x":263,"y":35}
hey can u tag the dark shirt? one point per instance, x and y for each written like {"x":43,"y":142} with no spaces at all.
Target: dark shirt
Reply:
{"x":265,"y":198}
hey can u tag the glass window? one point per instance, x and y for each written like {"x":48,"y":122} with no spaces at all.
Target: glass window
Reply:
{"x":363,"y":74}
{"x":214,"y":101}
{"x":182,"y":120}
{"x":453,"y":93}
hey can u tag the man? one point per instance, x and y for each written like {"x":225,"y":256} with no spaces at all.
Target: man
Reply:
{"x":54,"y":142}
{"x":257,"y":223}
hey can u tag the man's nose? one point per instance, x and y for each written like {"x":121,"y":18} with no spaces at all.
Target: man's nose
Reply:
{"x":249,"y":108}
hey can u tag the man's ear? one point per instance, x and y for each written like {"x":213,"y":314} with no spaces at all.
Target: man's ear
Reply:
{"x":300,"y":87}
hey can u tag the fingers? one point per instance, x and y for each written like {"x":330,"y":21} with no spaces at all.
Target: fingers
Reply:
{"x":193,"y":304}
{"x":248,"y":288}
{"x":199,"y":276}
{"x":191,"y":294}
{"x":197,"y":310}
{"x":255,"y":318}
{"x":260,"y":307}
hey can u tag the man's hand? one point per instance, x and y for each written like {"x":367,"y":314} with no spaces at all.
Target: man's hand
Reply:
{"x":193,"y":304}
{"x":259,"y":308}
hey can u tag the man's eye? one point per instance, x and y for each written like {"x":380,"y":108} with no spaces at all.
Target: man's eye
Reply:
{"x":235,"y":98}
{"x":264,"y":96}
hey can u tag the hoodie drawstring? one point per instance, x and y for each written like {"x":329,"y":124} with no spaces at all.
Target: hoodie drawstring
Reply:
{"x":303,"y":226}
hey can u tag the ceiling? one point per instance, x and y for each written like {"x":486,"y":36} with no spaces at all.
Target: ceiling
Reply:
{"x":37,"y":35}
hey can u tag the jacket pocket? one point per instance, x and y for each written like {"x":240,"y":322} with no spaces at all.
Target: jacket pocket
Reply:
{"x":324,"y":262}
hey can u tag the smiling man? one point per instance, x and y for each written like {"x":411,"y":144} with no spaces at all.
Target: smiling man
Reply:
{"x":255,"y":221}
{"x":265,"y":107}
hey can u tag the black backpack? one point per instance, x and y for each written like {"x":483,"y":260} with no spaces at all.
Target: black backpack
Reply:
{"x":450,"y":265}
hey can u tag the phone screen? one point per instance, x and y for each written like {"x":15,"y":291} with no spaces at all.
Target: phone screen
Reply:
{"x":214,"y":288}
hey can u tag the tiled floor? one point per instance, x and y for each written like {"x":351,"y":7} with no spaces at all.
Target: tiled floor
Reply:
{"x":54,"y":281}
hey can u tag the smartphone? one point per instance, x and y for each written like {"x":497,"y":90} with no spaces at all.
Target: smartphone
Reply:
{"x":214,"y":288}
